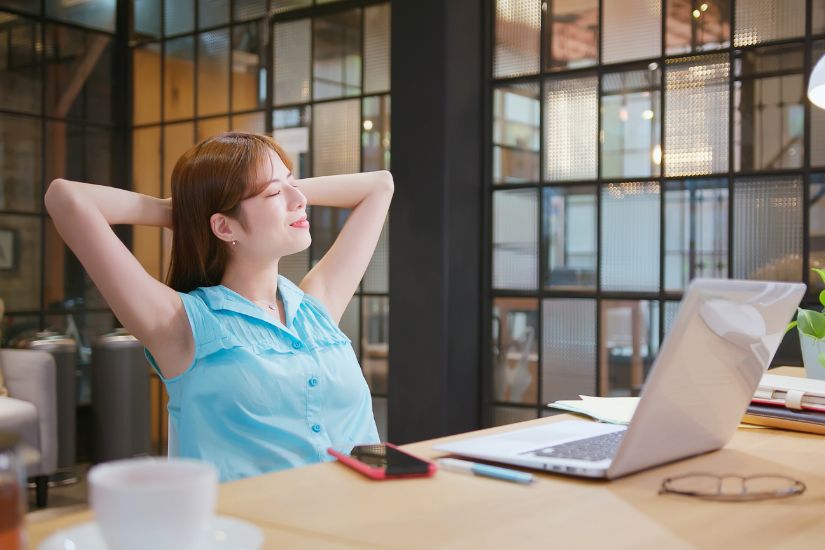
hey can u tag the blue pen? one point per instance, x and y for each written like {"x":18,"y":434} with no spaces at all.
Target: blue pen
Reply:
{"x":467,"y":467}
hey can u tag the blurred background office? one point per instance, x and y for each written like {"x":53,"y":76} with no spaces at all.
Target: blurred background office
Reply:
{"x":563,"y":169}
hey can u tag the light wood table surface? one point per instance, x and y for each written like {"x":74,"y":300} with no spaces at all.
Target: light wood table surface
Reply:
{"x":331,"y":506}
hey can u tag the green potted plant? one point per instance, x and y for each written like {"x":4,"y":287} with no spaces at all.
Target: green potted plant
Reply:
{"x":811,"y":327}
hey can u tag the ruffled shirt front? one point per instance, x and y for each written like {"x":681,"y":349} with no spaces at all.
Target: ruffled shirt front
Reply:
{"x":261,"y":396}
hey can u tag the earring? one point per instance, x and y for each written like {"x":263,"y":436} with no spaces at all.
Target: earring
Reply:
{"x":234,"y":243}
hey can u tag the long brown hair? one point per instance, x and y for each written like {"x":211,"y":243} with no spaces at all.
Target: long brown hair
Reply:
{"x":212,"y":177}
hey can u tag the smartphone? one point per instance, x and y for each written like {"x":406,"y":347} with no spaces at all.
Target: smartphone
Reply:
{"x":384,"y":461}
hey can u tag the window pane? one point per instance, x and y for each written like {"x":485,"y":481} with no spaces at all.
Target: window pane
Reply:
{"x":349,"y":324}
{"x":99,"y":153}
{"x":213,"y":72}
{"x":379,"y":411}
{"x":253,"y":122}
{"x":769,"y":116}
{"x":568,"y":349}
{"x":98,"y":14}
{"x":517,"y":36}
{"x":335,"y":138}
{"x":146,"y":178}
{"x":571,"y":109}
{"x":337,"y":55}
{"x":377,"y":48}
{"x":632,"y":30}
{"x":817,"y":115}
{"x":248,"y":66}
{"x":212,"y":13}
{"x":295,"y":266}
{"x":179,"y":16}
{"x":375,"y":136}
{"x":696,"y":115}
{"x":147,"y":18}
{"x":177,"y":139}
{"x":767,"y":228}
{"x":292,"y":134}
{"x":631,"y":121}
{"x":146,"y":88}
{"x":510,"y":415}
{"x":669,"y":313}
{"x":20,"y":261}
{"x":67,"y":286}
{"x":30,"y":6}
{"x":249,"y":9}
{"x":20,"y":65}
{"x":179,"y":78}
{"x":64,"y":151}
{"x":280,"y":6}
{"x":759,"y":21}
{"x":818,"y":17}
{"x":630,"y":236}
{"x":375,"y":337}
{"x":515,"y":232}
{"x":20,"y":163}
{"x":293,"y":47}
{"x":627,"y":345}
{"x":817,"y":231}
{"x":573,"y":34}
{"x":569,"y":236}
{"x":697,"y":26}
{"x":696,"y":231}
{"x":326,"y":223}
{"x":377,"y":277}
{"x":516,"y":133}
{"x":515,"y":350}
{"x":209,"y":127}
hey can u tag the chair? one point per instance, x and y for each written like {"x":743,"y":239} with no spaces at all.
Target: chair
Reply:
{"x":30,"y":410}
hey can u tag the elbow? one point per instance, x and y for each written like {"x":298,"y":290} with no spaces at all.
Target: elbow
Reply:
{"x":387,"y":183}
{"x":58,"y":196}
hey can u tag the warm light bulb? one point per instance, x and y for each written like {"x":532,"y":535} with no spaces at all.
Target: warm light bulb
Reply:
{"x":367,"y":125}
{"x":647,"y":114}
{"x":816,"y":86}
{"x":656,"y":155}
{"x":696,"y":14}
{"x":703,"y":7}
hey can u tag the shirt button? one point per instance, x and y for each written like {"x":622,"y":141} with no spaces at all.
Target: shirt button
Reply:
{"x":296,"y":344}
{"x":316,"y":428}
{"x":313,"y":382}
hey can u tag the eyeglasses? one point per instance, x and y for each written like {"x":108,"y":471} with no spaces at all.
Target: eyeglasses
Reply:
{"x":732,"y":487}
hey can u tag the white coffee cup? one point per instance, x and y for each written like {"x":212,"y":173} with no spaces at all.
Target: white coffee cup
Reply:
{"x":155,"y":503}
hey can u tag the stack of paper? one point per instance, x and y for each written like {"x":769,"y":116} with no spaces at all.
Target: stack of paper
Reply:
{"x":613,"y":410}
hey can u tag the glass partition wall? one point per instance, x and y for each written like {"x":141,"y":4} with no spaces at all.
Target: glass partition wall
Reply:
{"x":635,"y":145}
{"x":315,"y":75}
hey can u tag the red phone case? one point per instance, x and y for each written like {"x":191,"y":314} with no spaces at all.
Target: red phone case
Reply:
{"x":379,"y":473}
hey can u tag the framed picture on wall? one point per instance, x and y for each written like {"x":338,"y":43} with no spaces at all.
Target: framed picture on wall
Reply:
{"x":8,"y":249}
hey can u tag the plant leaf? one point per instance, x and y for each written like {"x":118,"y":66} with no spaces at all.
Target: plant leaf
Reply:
{"x":790,"y":327}
{"x":811,"y":323}
{"x":822,"y":359}
{"x":822,"y":297}
{"x":820,"y":272}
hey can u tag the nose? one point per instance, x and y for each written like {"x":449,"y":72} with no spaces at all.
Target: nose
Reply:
{"x":297,"y":199}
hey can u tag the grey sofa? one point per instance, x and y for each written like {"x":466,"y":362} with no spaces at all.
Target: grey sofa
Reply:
{"x":30,"y":409}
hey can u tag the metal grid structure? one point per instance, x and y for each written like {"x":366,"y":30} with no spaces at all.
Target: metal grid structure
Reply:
{"x":632,"y":148}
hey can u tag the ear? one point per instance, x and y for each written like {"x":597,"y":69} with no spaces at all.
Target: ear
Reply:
{"x":223,"y":227}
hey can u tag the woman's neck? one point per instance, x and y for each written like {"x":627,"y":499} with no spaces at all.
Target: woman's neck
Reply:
{"x":255,"y":282}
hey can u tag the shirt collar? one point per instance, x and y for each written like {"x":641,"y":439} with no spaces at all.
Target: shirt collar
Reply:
{"x":220,"y":297}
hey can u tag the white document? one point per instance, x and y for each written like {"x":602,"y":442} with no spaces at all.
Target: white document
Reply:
{"x":613,"y":410}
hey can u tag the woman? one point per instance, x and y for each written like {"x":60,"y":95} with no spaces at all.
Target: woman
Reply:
{"x":259,"y":375}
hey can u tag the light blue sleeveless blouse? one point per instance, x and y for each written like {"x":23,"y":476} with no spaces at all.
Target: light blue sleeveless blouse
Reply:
{"x":260,"y":396}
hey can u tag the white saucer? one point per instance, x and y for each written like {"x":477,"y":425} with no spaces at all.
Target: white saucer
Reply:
{"x":227,"y":534}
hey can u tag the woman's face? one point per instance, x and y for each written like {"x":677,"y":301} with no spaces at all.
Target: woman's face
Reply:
{"x":276,"y":221}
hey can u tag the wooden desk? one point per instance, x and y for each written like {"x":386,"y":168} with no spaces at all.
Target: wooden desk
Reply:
{"x":331,"y":506}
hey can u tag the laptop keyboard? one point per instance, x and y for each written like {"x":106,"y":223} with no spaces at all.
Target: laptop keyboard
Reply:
{"x":591,"y":449}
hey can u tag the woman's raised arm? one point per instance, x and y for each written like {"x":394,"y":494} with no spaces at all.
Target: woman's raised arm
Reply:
{"x":336,"y":276}
{"x":83,"y":214}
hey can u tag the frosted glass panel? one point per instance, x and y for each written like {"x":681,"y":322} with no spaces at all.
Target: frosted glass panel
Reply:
{"x":375,"y":336}
{"x":292,"y":134}
{"x":292,"y":59}
{"x":510,"y":415}
{"x":377,"y":48}
{"x":375,"y":134}
{"x":568,"y":349}
{"x":213,"y":72}
{"x":295,"y":266}
{"x":336,"y":55}
{"x":249,"y":9}
{"x":696,"y":231}
{"x":572,"y":34}
{"x":767,"y":228}
{"x":177,"y":139}
{"x":696,"y":115}
{"x":569,"y":236}
{"x":21,"y":78}
{"x":817,"y":115}
{"x":671,"y":310}
{"x":178,"y":16}
{"x":515,"y":235}
{"x":759,"y":21}
{"x":632,"y":30}
{"x":516,"y":133}
{"x":252,"y":122}
{"x":146,"y":85}
{"x":248,"y":66}
{"x":571,"y":109}
{"x":336,"y":138}
{"x":179,"y":78}
{"x":380,"y":412}
{"x":628,"y":344}
{"x":515,"y":350}
{"x":630,"y":236}
{"x":377,"y":277}
{"x":697,"y":26}
{"x":212,"y":13}
{"x":631,"y":122}
{"x":517,"y":36}
{"x":817,"y":230}
{"x":20,"y":163}
{"x":349,"y":324}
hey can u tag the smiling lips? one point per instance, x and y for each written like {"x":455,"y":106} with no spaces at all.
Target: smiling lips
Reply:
{"x":300,"y":224}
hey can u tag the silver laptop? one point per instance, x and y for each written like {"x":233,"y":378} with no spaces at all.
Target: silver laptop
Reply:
{"x":706,"y":373}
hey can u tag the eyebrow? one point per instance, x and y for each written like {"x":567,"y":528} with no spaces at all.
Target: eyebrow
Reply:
{"x":276,"y":180}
